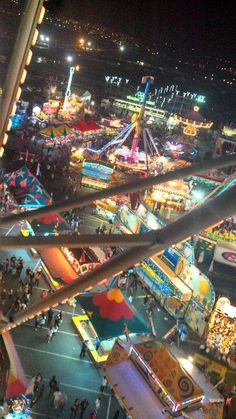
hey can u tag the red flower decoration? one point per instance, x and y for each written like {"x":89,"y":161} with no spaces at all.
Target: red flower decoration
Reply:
{"x":113,"y":306}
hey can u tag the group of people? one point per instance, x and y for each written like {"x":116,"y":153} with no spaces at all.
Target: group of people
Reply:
{"x":16,"y":298}
{"x":73,"y":219}
{"x":50,"y":319}
{"x":59,"y":398}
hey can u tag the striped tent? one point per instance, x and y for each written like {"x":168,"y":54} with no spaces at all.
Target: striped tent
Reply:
{"x":51,"y":132}
{"x":65,"y":130}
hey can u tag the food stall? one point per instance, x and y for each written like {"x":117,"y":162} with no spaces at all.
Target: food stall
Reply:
{"x":221,"y":334}
{"x":154,"y":380}
{"x":170,"y":196}
{"x":103,"y":320}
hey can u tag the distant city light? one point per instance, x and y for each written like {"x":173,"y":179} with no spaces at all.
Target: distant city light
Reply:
{"x":47,"y":39}
{"x":122,"y":48}
{"x":69,"y":58}
{"x":89,"y":43}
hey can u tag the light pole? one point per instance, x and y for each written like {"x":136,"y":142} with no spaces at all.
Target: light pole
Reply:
{"x":20,"y":59}
{"x":68,"y":88}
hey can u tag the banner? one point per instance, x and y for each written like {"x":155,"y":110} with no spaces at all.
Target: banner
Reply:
{"x":225,"y":253}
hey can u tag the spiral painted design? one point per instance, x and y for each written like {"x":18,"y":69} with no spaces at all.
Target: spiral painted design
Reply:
{"x":186,"y":386}
{"x":148,"y":355}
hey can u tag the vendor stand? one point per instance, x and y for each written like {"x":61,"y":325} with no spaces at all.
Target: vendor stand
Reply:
{"x":103,"y":320}
{"x":170,"y":196}
{"x":221,"y":334}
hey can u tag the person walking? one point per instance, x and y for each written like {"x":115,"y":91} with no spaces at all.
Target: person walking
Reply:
{"x":50,"y":316}
{"x":116,"y":415}
{"x":97,"y":404}
{"x":83,"y":349}
{"x":103,"y":385}
{"x":37,"y":277}
{"x":83,"y":406}
{"x":58,"y":320}
{"x":74,"y":408}
{"x":51,"y":333}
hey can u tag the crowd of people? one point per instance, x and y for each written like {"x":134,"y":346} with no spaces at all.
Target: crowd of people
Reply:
{"x":15,"y":299}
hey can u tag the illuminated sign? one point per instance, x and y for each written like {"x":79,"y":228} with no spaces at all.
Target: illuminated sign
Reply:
{"x":116,"y":80}
{"x":139,"y":97}
{"x":174,"y":91}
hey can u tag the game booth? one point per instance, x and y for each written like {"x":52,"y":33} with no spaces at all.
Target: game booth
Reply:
{"x":97,"y":175}
{"x":103,"y":320}
{"x":171,"y":273}
{"x":221,"y":333}
{"x":154,"y":381}
{"x":63,"y":265}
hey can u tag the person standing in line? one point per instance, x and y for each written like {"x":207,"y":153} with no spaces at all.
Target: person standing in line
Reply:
{"x":97,"y":404}
{"x":7,"y":264}
{"x":56,"y":398}
{"x":74,"y":408}
{"x":83,"y":406}
{"x":62,"y":401}
{"x":103,"y":385}
{"x":36,"y":323}
{"x":53,"y":385}
{"x":27,"y":274}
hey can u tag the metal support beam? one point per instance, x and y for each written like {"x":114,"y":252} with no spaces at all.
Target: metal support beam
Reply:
{"x":18,"y":60}
{"x":75,"y":241}
{"x":124,"y":188}
{"x":188,"y":225}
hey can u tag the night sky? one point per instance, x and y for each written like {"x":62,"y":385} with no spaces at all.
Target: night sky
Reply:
{"x":205,"y":25}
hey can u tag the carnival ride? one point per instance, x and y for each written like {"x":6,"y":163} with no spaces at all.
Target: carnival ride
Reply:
{"x":193,"y":121}
{"x":132,"y":158}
